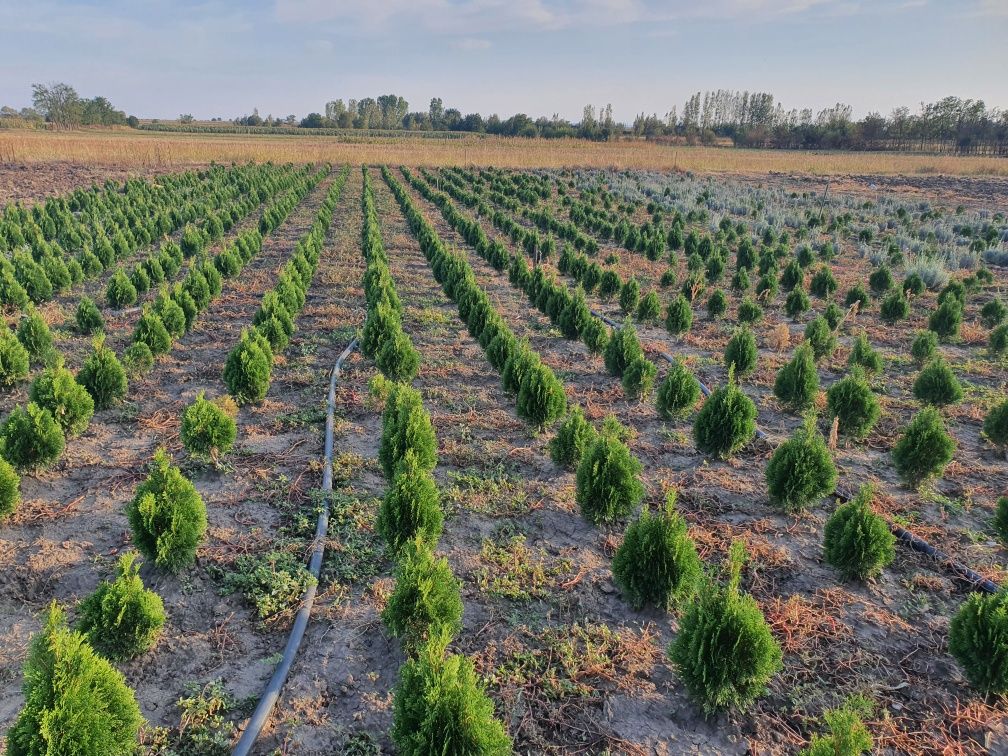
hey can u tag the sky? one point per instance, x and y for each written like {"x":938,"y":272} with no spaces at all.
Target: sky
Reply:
{"x":160,"y":58}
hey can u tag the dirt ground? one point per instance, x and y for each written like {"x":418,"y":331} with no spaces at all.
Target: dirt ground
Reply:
{"x":570,"y":666}
{"x":30,"y":182}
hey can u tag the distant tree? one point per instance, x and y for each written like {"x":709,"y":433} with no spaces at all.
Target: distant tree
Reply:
{"x":312,"y":121}
{"x":185,"y":118}
{"x":58,"y":103}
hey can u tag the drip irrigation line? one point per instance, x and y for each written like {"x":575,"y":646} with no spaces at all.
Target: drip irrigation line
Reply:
{"x":275,"y":685}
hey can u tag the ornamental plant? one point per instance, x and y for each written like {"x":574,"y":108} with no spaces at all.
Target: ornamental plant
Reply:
{"x":14,"y":359}
{"x":717,"y":303}
{"x":657,"y":563}
{"x":749,"y":311}
{"x":10,"y":489}
{"x":397,"y":359}
{"x":573,"y":436}
{"x":638,"y":378}
{"x":978,"y":639}
{"x":801,"y":470}
{"x":946,"y":320}
{"x":75,"y":701}
{"x":439,"y":707}
{"x":797,"y":382}
{"x":936,"y":384}
{"x":741,"y":353}
{"x":726,"y":422}
{"x":31,"y":438}
{"x":854,"y":404}
{"x":541,"y":398}
{"x":56,"y":390}
{"x":678,"y":393}
{"x":924,"y":449}
{"x":426,"y":601}
{"x":995,"y":426}
{"x":411,"y":508}
{"x":895,"y":307}
{"x":406,"y":425}
{"x":120,"y":291}
{"x":248,"y":368}
{"x":608,"y":485}
{"x":863,"y":355}
{"x":152,"y":332}
{"x":35,"y":337}
{"x":622,"y":349}
{"x":122,"y":619}
{"x":924,"y":347}
{"x":679,"y":316}
{"x":820,"y":337}
{"x":856,"y":541}
{"x":167,"y":516}
{"x":847,"y":735}
{"x":103,"y":376}
{"x":208,"y":427}
{"x":87,"y":317}
{"x":649,"y":308}
{"x":796,"y":303}
{"x":724,"y":651}
{"x":629,"y":296}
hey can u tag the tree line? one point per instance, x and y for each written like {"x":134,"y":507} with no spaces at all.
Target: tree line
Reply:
{"x":746,"y":119}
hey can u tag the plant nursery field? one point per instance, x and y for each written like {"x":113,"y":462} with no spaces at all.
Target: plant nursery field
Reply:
{"x":623,"y":461}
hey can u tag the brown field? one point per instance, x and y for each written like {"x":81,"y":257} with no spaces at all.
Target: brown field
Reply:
{"x":138,"y":149}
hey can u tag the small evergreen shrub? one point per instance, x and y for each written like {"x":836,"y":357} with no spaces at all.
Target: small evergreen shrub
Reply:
{"x":995,"y":425}
{"x":622,"y":349}
{"x":10,"y":489}
{"x":152,"y":332}
{"x":171,"y":313}
{"x":411,"y":508}
{"x":649,"y":308}
{"x":657,"y":563}
{"x":895,"y":307}
{"x":797,"y":382}
{"x":381,"y":324}
{"x":31,"y":438}
{"x":638,"y":378}
{"x":833,"y":315}
{"x":88,"y":317}
{"x":608,"y":485}
{"x":541,"y":398}
{"x":717,"y":304}
{"x":595,"y":335}
{"x":914,"y":285}
{"x":726,"y":422}
{"x":397,"y":358}
{"x":678,"y":393}
{"x":796,"y":303}
{"x":993,"y":313}
{"x":801,"y":470}
{"x":946,"y":320}
{"x":924,"y":347}
{"x":248,"y":368}
{"x":749,"y":312}
{"x":426,"y":601}
{"x":978,"y":639}
{"x":741,"y":353}
{"x":56,"y":390}
{"x":438,"y":707}
{"x":821,"y":338}
{"x":137,"y":359}
{"x":573,"y":436}
{"x":35,"y":337}
{"x":208,"y":429}
{"x":406,"y":425}
{"x":881,"y":280}
{"x":76,"y":702}
{"x":847,"y":736}
{"x":1001,"y":520}
{"x":924,"y":449}
{"x":679,"y":317}
{"x":167,"y":516}
{"x":863,"y":355}
{"x":629,"y":296}
{"x":103,"y":376}
{"x":823,"y":284}
{"x":120,"y":291}
{"x":14,"y":360}
{"x":724,"y":651}
{"x":856,"y":541}
{"x":936,"y":384}
{"x":854,"y":404}
{"x":857,"y":294}
{"x":998,"y":342}
{"x":122,"y":619}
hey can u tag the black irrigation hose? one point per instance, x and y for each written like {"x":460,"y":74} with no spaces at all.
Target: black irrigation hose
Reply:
{"x":904,"y":536}
{"x":272,"y":692}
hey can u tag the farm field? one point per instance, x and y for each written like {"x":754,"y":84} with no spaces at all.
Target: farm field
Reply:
{"x":244,"y":282}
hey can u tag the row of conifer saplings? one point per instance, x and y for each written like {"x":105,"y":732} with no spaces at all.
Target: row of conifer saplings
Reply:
{"x":858,"y":542}
{"x":70,"y":683}
{"x":657,"y":562}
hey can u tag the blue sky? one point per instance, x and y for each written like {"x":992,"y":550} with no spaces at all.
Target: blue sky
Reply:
{"x":159,"y":58}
